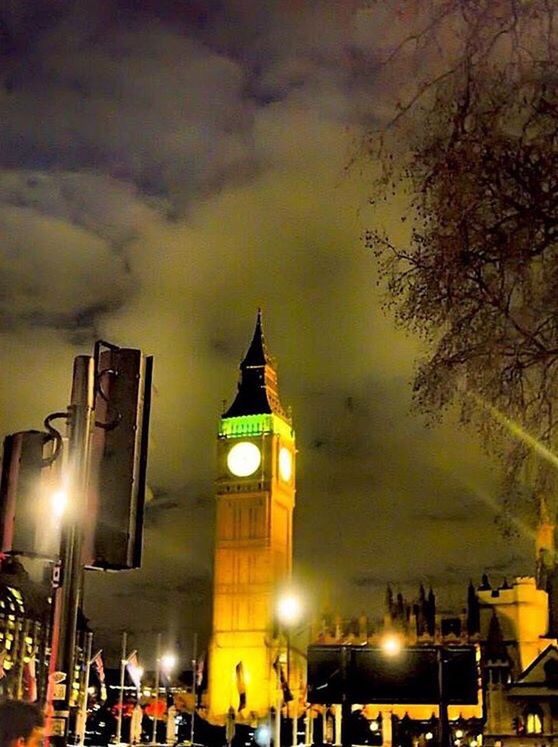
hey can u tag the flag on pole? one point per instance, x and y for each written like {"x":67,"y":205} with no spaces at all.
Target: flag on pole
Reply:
{"x":30,"y":680}
{"x":99,"y":667}
{"x":133,"y":667}
{"x":201,"y":677}
{"x":240,"y":686}
{"x":200,"y":670}
{"x":285,"y":689}
{"x":230,"y":725}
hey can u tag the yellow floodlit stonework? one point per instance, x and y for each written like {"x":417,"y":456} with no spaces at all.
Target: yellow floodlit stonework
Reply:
{"x":253,"y":541}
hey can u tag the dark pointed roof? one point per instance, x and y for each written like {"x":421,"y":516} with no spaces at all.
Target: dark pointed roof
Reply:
{"x":257,"y":352}
{"x":535,"y":673}
{"x":257,"y":388}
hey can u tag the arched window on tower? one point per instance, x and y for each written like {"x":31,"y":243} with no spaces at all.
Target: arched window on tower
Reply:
{"x":533,"y":720}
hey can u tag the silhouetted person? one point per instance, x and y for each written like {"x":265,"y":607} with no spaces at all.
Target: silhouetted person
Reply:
{"x":21,"y":724}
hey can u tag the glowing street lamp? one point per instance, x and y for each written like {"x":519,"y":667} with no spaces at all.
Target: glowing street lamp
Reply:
{"x":289,"y":612}
{"x":59,"y":502}
{"x":391,"y":644}
{"x":168,"y":662}
{"x":289,"y":609}
{"x":262,"y":735}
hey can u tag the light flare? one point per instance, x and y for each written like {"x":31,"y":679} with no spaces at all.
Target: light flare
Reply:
{"x":518,"y":431}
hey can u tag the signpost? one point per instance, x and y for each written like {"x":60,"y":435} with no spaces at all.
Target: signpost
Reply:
{"x":430,"y":674}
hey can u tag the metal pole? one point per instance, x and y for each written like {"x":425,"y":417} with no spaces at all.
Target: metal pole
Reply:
{"x":80,"y":419}
{"x":157,"y":678}
{"x":194,"y":675}
{"x":121,"y":692}
{"x":277,"y":723}
{"x":294,"y":714}
{"x":344,"y":713}
{"x":443,"y":706}
{"x":83,"y":709}
{"x":288,"y":704}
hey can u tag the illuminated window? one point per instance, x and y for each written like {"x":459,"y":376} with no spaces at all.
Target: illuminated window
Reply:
{"x":533,"y":721}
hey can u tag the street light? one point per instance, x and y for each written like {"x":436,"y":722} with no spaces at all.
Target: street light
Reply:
{"x":168,"y":662}
{"x":442,"y":701}
{"x":157,"y":678}
{"x":289,"y":612}
{"x":289,"y":609}
{"x":59,"y":502}
{"x":391,"y":644}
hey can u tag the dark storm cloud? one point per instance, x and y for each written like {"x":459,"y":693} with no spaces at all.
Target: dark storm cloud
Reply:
{"x":449,"y":574}
{"x":140,"y":102}
{"x":166,"y":168}
{"x":192,"y":588}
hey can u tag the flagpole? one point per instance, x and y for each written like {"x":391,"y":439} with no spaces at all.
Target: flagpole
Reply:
{"x":121,"y":693}
{"x":83,"y":705}
{"x":194,"y":677}
{"x":157,"y":677}
{"x":277,"y":724}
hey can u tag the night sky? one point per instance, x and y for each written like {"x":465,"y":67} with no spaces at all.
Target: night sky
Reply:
{"x":165,"y":169}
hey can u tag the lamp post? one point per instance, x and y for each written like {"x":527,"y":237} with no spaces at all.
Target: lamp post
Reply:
{"x":123,"y":662}
{"x":157,"y":677}
{"x":442,"y":700}
{"x":168,"y":663}
{"x":391,"y":645}
{"x":289,"y":612}
{"x":194,"y":692}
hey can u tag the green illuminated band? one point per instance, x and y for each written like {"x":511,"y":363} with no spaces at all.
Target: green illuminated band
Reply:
{"x":254,"y":425}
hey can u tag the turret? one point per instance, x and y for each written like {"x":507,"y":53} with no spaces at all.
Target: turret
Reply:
{"x":496,"y":676}
{"x":421,"y":612}
{"x":431,"y":613}
{"x":473,"y":610}
{"x":545,"y":552}
{"x":496,"y":657}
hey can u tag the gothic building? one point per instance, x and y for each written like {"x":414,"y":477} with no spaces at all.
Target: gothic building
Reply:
{"x":511,"y":626}
{"x":253,"y":541}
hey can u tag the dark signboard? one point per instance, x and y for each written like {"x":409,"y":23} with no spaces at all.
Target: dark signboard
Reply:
{"x":411,"y":676}
{"x":367,"y":674}
{"x":325,"y":674}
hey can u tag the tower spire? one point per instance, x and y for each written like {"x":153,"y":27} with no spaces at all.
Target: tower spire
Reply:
{"x":256,"y":354}
{"x":257,"y":392}
{"x":254,"y":530}
{"x":545,"y":551}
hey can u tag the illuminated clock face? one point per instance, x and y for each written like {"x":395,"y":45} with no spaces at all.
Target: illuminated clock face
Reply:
{"x":244,"y":459}
{"x":285,"y":464}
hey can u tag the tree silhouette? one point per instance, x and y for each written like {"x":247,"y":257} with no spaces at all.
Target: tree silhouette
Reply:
{"x":477,"y":277}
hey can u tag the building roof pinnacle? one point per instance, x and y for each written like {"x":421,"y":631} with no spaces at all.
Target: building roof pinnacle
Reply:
{"x":257,"y":387}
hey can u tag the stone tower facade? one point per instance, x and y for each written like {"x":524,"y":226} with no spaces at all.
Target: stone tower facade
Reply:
{"x":253,"y":542}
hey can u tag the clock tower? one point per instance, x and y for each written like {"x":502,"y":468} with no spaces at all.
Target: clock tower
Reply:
{"x":253,"y":542}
